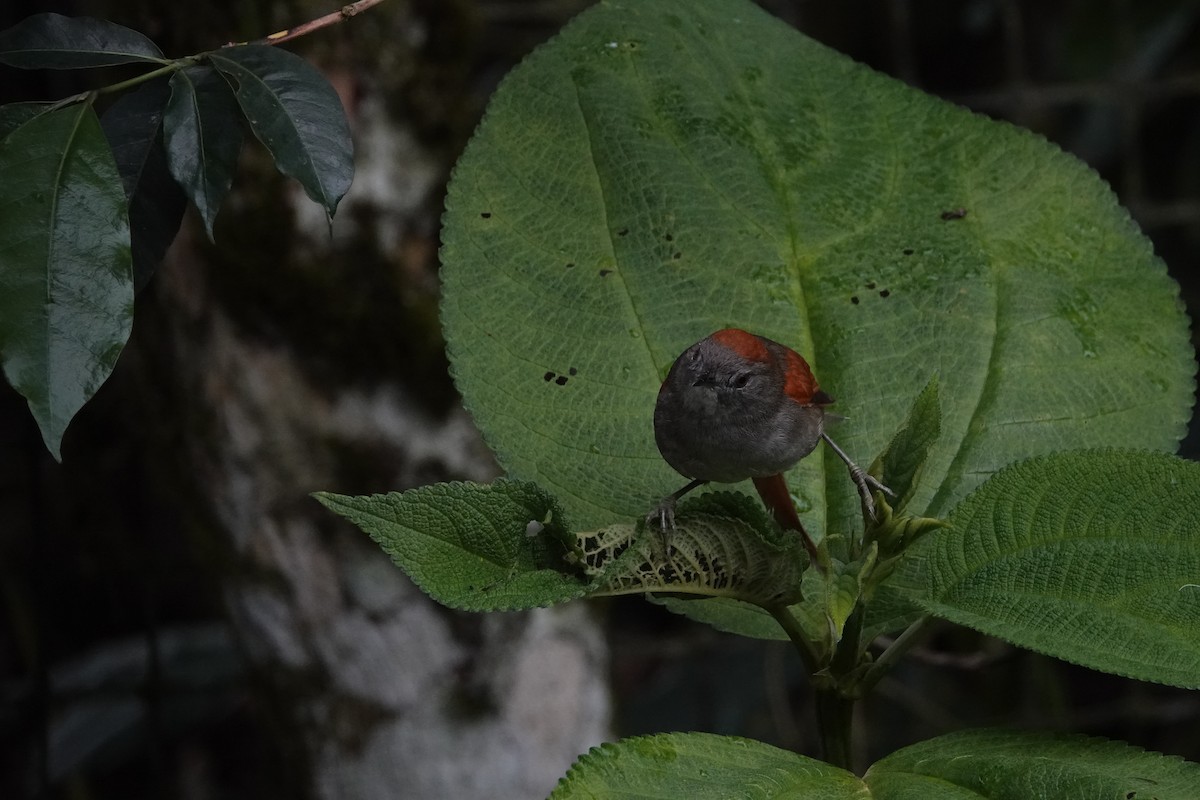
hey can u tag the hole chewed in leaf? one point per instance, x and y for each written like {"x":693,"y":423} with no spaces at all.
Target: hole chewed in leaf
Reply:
{"x":722,"y":546}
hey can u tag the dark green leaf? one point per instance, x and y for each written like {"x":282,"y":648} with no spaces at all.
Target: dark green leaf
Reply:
{"x":1092,"y":557}
{"x":66,"y":288}
{"x":133,"y":126}
{"x":52,"y":41}
{"x":202,"y":129}
{"x":478,"y":548}
{"x":296,"y":114}
{"x":14,"y":115}
{"x":1011,"y":765}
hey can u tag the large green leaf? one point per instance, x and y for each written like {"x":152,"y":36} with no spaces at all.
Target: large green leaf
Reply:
{"x":52,"y":41}
{"x":133,"y":126}
{"x":202,"y":129}
{"x":975,"y":765}
{"x":665,"y":168}
{"x":296,"y":114}
{"x":1091,"y":557}
{"x":66,"y":286}
{"x":1010,"y":765}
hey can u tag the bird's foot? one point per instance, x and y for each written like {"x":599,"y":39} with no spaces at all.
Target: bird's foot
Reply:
{"x":865,"y":482}
{"x":663,"y":515}
{"x":867,"y":485}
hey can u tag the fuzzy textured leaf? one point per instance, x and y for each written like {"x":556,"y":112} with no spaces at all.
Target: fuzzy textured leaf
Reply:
{"x":296,"y":114}
{"x":66,"y":284}
{"x":973,"y":765}
{"x":900,"y":465}
{"x":52,"y":41}
{"x":498,"y":547}
{"x":701,"y":766}
{"x":1092,"y":557}
{"x":665,"y":168}
{"x":1011,"y":765}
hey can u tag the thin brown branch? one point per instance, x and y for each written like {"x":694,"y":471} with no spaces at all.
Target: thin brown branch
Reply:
{"x":287,"y":34}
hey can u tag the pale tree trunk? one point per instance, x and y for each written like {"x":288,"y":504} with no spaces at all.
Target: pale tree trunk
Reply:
{"x":386,"y":694}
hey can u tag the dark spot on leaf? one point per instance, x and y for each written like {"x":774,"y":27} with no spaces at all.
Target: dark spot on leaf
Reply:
{"x":486,"y":214}
{"x":669,"y":237}
{"x":677,"y":255}
{"x":954,"y":213}
{"x":884,"y":293}
{"x":561,"y":380}
{"x":572,"y":371}
{"x":908,"y":251}
{"x":870,"y":284}
{"x":570,"y":264}
{"x":604,"y":273}
{"x":1130,"y":795}
{"x":623,"y":232}
{"x":854,"y":299}
{"x":549,"y":376}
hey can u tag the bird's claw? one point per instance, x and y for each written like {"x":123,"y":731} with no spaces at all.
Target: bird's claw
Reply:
{"x":866,"y":483}
{"x":663,"y":514}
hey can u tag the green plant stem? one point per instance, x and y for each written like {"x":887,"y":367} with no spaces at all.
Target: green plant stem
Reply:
{"x":125,"y":84}
{"x":911,"y":636}
{"x":835,"y":704}
{"x":145,"y":76}
{"x":834,"y":710}
{"x":808,"y":653}
{"x":835,"y":714}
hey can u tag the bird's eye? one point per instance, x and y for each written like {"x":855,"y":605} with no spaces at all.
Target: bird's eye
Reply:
{"x":740,"y":380}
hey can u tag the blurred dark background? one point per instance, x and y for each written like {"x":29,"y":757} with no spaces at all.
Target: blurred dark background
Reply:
{"x":139,"y":577}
